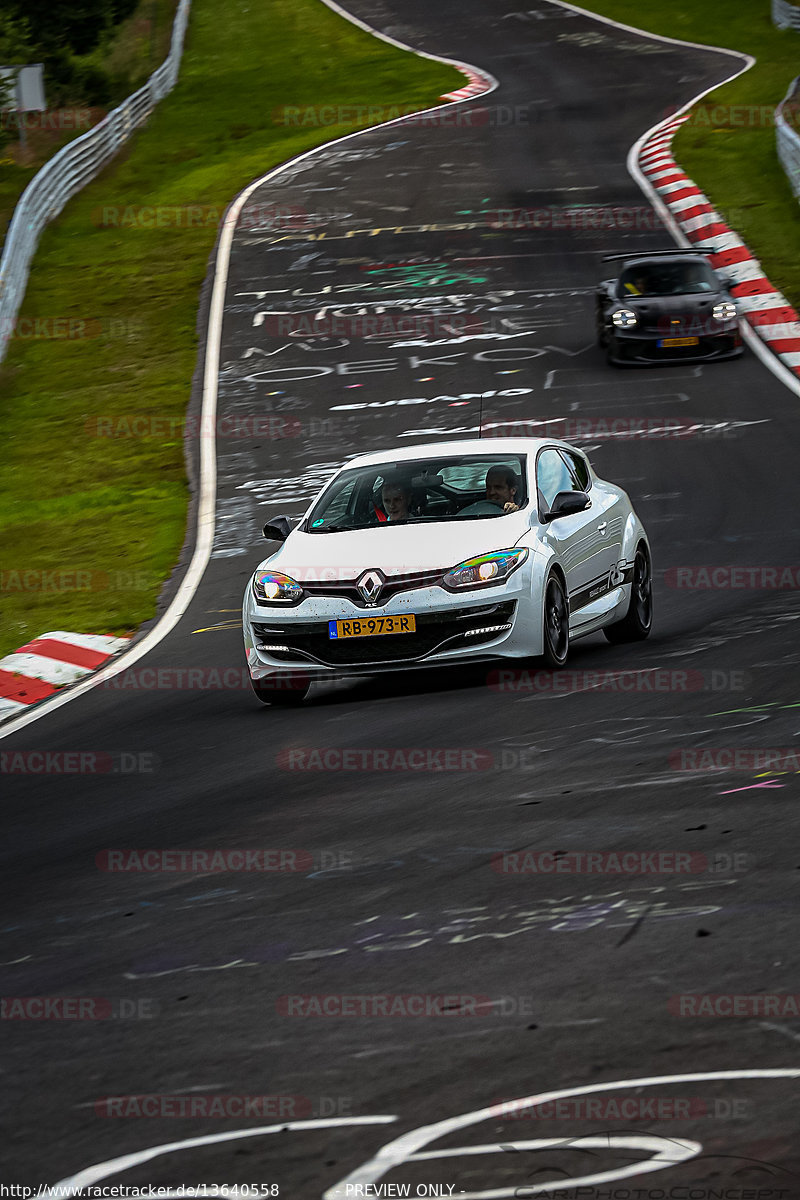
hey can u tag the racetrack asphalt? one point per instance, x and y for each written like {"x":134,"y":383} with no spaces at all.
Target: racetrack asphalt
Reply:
{"x":405,"y":898}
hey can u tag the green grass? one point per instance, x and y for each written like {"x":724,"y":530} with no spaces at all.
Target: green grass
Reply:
{"x":73,"y":502}
{"x":736,"y":167}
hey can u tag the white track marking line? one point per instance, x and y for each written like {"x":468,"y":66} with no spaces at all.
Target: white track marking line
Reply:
{"x":403,"y":1148}
{"x":113,"y":1166}
{"x":208,"y":460}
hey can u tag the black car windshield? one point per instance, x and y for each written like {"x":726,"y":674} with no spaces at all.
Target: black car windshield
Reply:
{"x":667,"y":279}
{"x":425,"y":490}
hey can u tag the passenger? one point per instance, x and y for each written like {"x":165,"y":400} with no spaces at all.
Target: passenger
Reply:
{"x":395,"y":498}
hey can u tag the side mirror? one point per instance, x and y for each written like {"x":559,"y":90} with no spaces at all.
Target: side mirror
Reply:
{"x":279,"y":528}
{"x":566,"y":504}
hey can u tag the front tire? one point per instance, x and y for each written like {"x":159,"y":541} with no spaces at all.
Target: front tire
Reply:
{"x":556,"y":622}
{"x":635,"y":626}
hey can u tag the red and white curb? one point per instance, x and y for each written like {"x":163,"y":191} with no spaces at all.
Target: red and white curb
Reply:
{"x":41,"y":667}
{"x":765,"y":310}
{"x":478,"y":83}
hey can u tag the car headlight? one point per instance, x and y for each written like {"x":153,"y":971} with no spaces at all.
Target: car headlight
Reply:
{"x":624,"y":318}
{"x":724,"y":311}
{"x":275,"y":588}
{"x":485,"y":569}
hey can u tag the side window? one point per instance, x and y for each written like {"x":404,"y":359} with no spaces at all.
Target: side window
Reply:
{"x":578,"y":470}
{"x":552,"y":476}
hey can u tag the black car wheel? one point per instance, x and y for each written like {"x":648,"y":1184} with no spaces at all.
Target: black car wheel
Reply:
{"x":635,"y":626}
{"x":556,"y":622}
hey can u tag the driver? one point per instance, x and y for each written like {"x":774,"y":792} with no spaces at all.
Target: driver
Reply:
{"x":502,"y":491}
{"x":501,"y":488}
{"x":639,"y":285}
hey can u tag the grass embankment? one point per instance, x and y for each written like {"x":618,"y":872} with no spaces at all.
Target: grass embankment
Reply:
{"x":730,"y":153}
{"x":116,"y":509}
{"x":118,"y":67}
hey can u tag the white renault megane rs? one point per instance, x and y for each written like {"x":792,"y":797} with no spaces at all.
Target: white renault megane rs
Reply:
{"x":446,"y":553}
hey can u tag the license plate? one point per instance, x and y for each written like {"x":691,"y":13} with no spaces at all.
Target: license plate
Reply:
{"x":679,"y":341}
{"x":371,"y":626}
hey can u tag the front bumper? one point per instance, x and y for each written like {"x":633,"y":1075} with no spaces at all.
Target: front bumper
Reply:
{"x":643,"y":347}
{"x":451,"y":628}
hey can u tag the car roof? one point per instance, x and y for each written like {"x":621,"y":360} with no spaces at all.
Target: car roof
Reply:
{"x":488,"y":445}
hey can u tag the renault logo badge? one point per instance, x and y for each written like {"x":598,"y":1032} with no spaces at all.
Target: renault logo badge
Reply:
{"x":369,"y":587}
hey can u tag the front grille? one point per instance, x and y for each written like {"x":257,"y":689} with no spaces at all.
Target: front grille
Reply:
{"x":309,"y":642}
{"x":346,"y":589}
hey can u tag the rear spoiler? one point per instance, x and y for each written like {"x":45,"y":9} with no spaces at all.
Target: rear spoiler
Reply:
{"x":655,"y":254}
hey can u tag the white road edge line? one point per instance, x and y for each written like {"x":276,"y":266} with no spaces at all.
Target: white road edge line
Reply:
{"x":207,"y":495}
{"x":768,"y":357}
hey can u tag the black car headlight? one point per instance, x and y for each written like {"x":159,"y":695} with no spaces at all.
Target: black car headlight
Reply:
{"x":624,"y":318}
{"x":724,"y":311}
{"x":271,"y":587}
{"x":486,"y":569}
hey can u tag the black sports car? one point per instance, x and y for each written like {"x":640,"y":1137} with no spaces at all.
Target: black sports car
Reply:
{"x":666,"y":305}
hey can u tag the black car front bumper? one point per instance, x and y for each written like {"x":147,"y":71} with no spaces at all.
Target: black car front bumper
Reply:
{"x":646,"y":348}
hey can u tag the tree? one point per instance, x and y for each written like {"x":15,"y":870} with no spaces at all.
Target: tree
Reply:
{"x":75,"y":25}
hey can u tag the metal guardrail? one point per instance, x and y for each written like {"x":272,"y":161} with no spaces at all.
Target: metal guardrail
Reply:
{"x":70,"y":169}
{"x":787,"y":139}
{"x":785,"y":15}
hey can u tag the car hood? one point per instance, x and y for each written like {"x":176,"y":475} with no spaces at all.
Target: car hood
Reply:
{"x":656,"y":306}
{"x":398,"y":551}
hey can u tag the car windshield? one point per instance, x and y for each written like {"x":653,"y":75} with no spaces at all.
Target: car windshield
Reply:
{"x":666,"y":279}
{"x":425,"y":490}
